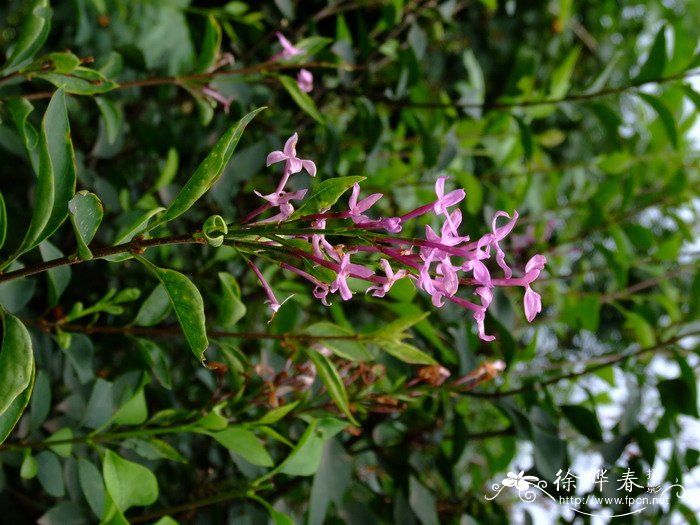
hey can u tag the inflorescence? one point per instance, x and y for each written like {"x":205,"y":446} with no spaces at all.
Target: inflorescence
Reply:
{"x":438,"y":264}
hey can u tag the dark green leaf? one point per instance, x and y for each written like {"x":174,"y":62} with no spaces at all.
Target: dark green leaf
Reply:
{"x":348,"y":348}
{"x":32,"y":35}
{"x":405,"y":352}
{"x":188,"y":305}
{"x":653,"y":67}
{"x":208,"y":171}
{"x":665,"y":116}
{"x":16,"y":361}
{"x":333,"y":382}
{"x":86,"y":215}
{"x":583,"y":420}
{"x":325,"y":195}
{"x":211,"y":46}
{"x":231,"y":308}
{"x":81,"y":81}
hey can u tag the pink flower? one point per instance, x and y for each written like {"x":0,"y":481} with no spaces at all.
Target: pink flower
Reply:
{"x":305,"y":81}
{"x":445,"y":201}
{"x":213,"y":94}
{"x":532,"y":303}
{"x":358,"y":208}
{"x":391,"y":278}
{"x":340,"y":283}
{"x":281,"y":200}
{"x":321,"y":289}
{"x":293,"y":164}
{"x":271,"y":299}
{"x":288,"y":49}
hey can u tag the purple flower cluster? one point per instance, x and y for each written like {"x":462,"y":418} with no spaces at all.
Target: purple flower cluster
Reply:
{"x":305,"y":80}
{"x":440,"y":264}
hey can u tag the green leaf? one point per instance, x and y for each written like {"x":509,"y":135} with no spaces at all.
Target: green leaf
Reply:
{"x":583,"y":420}
{"x":653,"y":67}
{"x":560,"y":81}
{"x":678,"y":397}
{"x":349,"y":349}
{"x":325,"y":194}
{"x":112,"y":116}
{"x":58,"y":277}
{"x":86,"y":215}
{"x":32,"y":35}
{"x":276,"y":414}
{"x":56,"y":177}
{"x":245,"y":444}
{"x":305,"y":458}
{"x":155,"y":308}
{"x":30,"y":466}
{"x":133,"y":412}
{"x":62,"y":449}
{"x":16,"y":361}
{"x":51,"y":474}
{"x":231,"y":308}
{"x":10,"y":417}
{"x":92,"y":485}
{"x":208,"y":171}
{"x":188,"y":305}
{"x":128,"y":483}
{"x":405,"y":352}
{"x":333,"y":382}
{"x":156,"y":359}
{"x":53,"y":62}
{"x":211,"y":46}
{"x":643,"y":331}
{"x":81,"y":81}
{"x":665,"y":116}
{"x":152,"y":448}
{"x":303,"y":100}
{"x":3,"y":221}
{"x":399,"y":326}
{"x":278,"y":518}
{"x":167,"y":174}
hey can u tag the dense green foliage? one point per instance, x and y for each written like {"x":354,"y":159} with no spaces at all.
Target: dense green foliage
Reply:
{"x":142,"y":124}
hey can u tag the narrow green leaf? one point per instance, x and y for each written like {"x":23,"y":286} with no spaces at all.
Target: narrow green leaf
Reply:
{"x":304,"y":101}
{"x":305,"y":458}
{"x":583,"y":420}
{"x":400,"y":325}
{"x":59,"y":277}
{"x":231,"y":308}
{"x":156,"y":358}
{"x":277,"y":517}
{"x":333,"y":382}
{"x":346,"y":348}
{"x":81,"y":81}
{"x":51,"y":474}
{"x":211,"y":46}
{"x":20,"y":109}
{"x":653,"y":67}
{"x":276,"y":414}
{"x":245,"y":444}
{"x":167,"y":174}
{"x":188,"y":305}
{"x":139,"y":225}
{"x":56,"y":178}
{"x":560,"y":81}
{"x":405,"y":352}
{"x":112,"y":116}
{"x":128,"y":483}
{"x":325,"y":194}
{"x":16,"y":361}
{"x":86,"y":215}
{"x":665,"y":116}
{"x":152,"y":448}
{"x":208,"y":171}
{"x":63,"y":63}
{"x":12,"y":415}
{"x":3,"y":221}
{"x":32,"y":35}
{"x":155,"y":308}
{"x":92,"y":485}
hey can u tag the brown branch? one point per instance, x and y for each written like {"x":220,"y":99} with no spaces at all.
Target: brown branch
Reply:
{"x":265,"y":67}
{"x":137,"y":246}
{"x":176,"y":331}
{"x":572,"y":375}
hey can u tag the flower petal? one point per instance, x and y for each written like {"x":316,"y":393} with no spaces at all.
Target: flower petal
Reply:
{"x":532,"y":303}
{"x":276,"y":156}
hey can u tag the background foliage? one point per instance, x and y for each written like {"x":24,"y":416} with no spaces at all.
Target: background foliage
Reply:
{"x":579,"y":116}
